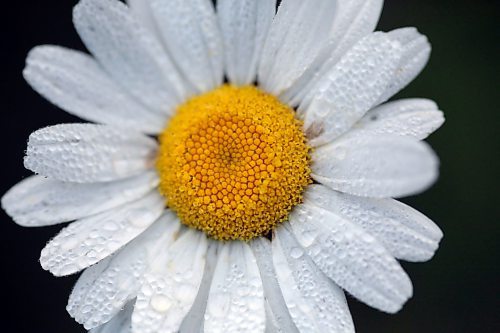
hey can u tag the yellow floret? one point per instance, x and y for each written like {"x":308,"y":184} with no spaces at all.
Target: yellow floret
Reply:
{"x":233,"y":162}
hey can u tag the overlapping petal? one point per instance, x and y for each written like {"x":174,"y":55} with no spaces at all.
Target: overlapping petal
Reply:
{"x":89,"y":240}
{"x":351,"y":257}
{"x":191,"y":35}
{"x":277,"y":316}
{"x":195,"y":318}
{"x":416,"y":117}
{"x":121,"y":323}
{"x":104,"y":289}
{"x":236,"y":298}
{"x":379,"y":166}
{"x":76,"y":83}
{"x":416,"y":53}
{"x":244,"y":26}
{"x":130,"y":53}
{"x":297,"y":34}
{"x":404,"y":232}
{"x":354,"y":19}
{"x":86,"y":153}
{"x":350,"y":88}
{"x":170,"y":290}
{"x":38,"y":201}
{"x":316,"y":304}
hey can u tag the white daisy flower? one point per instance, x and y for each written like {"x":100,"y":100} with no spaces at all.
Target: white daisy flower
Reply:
{"x":262,"y":199}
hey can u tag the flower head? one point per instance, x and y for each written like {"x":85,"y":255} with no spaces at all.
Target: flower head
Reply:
{"x":238,"y":207}
{"x":233,"y":163}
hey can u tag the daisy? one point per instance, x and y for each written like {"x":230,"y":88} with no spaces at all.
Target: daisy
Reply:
{"x":246,"y":206}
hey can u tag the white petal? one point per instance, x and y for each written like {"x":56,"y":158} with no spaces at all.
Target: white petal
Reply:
{"x":195,"y":318}
{"x":87,"y":241}
{"x":416,"y":53}
{"x":298,"y":32}
{"x":169,"y":292}
{"x":121,"y":323}
{"x":142,"y":10}
{"x":85,"y":153}
{"x":316,"y":304}
{"x":76,"y":83}
{"x":404,"y":232}
{"x":376,"y":166}
{"x":244,"y":25}
{"x":129,"y":53}
{"x":191,"y":35}
{"x":354,"y":19}
{"x":236,"y":298}
{"x":271,"y":323}
{"x":97,"y":298}
{"x":37,"y":201}
{"x":350,"y":89}
{"x":407,"y":117}
{"x":352,"y":258}
{"x":281,"y":321}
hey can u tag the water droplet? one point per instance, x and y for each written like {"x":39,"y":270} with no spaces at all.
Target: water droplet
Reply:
{"x":70,"y":243}
{"x":139,"y":218}
{"x":160,"y":303}
{"x":308,"y":237}
{"x":296,"y":252}
{"x":110,"y":226}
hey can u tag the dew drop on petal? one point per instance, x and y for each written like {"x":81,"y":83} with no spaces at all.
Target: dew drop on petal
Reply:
{"x":160,"y":303}
{"x":296,"y":252}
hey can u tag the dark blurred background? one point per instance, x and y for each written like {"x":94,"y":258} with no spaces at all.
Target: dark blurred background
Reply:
{"x":457,"y":291}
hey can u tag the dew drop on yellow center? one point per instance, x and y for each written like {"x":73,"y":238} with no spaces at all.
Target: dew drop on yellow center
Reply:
{"x":233,"y":162}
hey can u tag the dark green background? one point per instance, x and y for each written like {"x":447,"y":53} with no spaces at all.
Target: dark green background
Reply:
{"x":455,"y":292}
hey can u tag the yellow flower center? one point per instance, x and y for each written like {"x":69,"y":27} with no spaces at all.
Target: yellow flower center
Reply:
{"x":233,"y":162}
